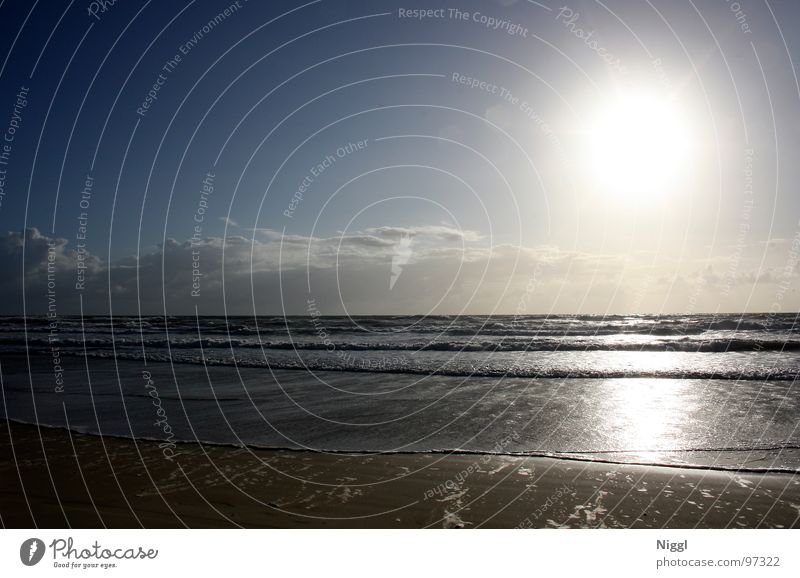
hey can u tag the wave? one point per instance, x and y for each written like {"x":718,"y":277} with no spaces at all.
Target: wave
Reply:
{"x":510,"y":369}
{"x":712,"y":345}
{"x":500,"y":325}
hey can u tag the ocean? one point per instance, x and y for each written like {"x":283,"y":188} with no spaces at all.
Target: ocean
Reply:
{"x":693,"y":390}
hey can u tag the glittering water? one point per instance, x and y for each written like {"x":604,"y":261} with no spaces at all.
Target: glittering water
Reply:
{"x":697,"y":390}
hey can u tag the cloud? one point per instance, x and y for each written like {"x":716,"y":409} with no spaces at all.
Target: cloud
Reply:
{"x":445,"y":270}
{"x":432,"y":232}
{"x":41,"y":259}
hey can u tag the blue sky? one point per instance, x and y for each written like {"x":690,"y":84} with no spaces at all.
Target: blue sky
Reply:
{"x":492,"y":177}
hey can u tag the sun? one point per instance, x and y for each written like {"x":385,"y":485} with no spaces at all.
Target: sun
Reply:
{"x":638,"y":144}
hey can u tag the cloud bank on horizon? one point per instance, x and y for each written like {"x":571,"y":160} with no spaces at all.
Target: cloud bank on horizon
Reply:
{"x":448,"y":272}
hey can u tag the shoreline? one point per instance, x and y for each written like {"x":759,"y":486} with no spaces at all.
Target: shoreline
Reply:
{"x":571,"y":457}
{"x":118,"y":482}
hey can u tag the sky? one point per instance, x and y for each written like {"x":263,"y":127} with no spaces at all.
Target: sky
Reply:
{"x":382,"y":157}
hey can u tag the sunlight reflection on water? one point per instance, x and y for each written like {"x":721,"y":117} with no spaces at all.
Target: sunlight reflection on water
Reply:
{"x":647,"y":415}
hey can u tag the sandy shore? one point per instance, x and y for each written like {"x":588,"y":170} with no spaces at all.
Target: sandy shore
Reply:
{"x":68,"y":479}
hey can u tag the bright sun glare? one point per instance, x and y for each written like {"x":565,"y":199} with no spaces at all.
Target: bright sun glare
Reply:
{"x":638,"y":144}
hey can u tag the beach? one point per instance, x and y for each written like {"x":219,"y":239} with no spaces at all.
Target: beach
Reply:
{"x":67,"y":479}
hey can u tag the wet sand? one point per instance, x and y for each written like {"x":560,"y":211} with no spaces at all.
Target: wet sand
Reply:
{"x":56,"y":478}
